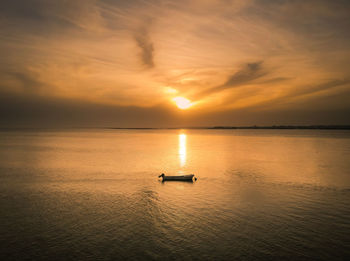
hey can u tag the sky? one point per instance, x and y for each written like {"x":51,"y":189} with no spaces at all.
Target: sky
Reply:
{"x":118,"y":63}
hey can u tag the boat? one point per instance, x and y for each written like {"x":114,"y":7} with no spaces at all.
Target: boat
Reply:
{"x":188,"y":177}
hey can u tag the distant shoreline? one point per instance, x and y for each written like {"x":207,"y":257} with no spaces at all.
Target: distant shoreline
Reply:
{"x":277,"y":127}
{"x":290,"y":127}
{"x":254,"y":127}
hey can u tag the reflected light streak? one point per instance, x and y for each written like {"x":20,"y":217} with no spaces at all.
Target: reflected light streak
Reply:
{"x":182,"y":149}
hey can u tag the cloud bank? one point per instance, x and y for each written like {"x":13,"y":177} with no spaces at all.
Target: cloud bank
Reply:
{"x":231,"y":58}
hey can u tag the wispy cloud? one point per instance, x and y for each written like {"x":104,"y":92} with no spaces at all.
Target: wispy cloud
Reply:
{"x":304,"y":95}
{"x":313,"y":89}
{"x":21,"y":81}
{"x":144,"y":42}
{"x":248,"y":73}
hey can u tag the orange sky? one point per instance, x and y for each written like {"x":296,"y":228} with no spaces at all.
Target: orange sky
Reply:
{"x":124,"y":62}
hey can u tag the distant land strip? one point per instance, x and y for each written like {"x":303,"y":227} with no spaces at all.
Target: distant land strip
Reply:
{"x":255,"y":127}
{"x":289,"y":127}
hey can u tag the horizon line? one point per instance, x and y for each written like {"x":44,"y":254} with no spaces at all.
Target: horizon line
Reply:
{"x":219,"y":127}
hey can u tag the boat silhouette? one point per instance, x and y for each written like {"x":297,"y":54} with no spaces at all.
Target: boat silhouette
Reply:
{"x":189,"y":177}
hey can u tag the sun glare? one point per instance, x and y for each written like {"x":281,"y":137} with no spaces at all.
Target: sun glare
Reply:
{"x":182,"y":103}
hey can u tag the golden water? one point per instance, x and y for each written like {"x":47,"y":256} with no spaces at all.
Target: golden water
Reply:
{"x":95,"y":194}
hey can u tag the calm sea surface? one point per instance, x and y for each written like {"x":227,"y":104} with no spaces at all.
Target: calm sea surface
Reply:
{"x":95,"y":195}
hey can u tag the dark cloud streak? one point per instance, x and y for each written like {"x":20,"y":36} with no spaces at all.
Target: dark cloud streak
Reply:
{"x":20,"y":79}
{"x":246,"y":75}
{"x":306,"y":90}
{"x":145,"y":43}
{"x":295,"y":96}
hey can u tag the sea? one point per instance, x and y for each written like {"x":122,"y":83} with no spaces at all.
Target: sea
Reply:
{"x":94,"y":194}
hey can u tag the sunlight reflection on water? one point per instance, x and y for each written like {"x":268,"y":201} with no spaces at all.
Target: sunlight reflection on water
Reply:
{"x":182,"y":149}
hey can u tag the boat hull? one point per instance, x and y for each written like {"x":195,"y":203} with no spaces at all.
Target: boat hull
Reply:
{"x":179,"y":178}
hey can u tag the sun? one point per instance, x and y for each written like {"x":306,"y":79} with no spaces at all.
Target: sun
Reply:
{"x":182,"y":103}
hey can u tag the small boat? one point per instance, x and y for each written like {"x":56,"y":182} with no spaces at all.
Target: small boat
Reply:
{"x":178,"y":178}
